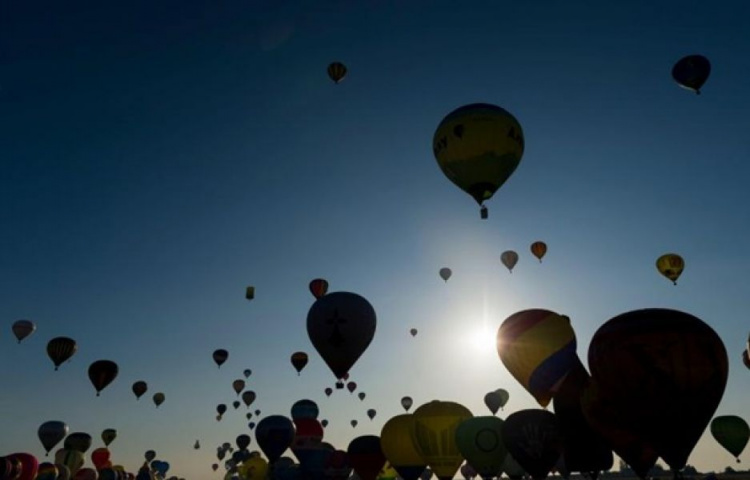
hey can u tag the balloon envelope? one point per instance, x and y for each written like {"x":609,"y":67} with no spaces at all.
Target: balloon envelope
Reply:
{"x":51,"y":433}
{"x":732,"y":433}
{"x":671,"y":266}
{"x":438,"y":419}
{"x":341,"y":326}
{"x":533,"y":439}
{"x":60,"y":349}
{"x":274,"y":435}
{"x":480,"y":441}
{"x":691,"y":72}
{"x":366,"y":456}
{"x":509,"y":259}
{"x":337,"y":71}
{"x":399,"y":449}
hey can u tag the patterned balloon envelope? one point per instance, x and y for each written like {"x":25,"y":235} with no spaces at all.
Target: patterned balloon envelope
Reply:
{"x":538,"y":347}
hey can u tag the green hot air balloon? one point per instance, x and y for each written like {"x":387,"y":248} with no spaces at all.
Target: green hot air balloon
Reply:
{"x":480,"y":441}
{"x":732,"y":433}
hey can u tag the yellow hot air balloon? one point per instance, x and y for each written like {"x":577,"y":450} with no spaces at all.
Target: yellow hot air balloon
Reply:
{"x":434,"y":435}
{"x":538,"y":347}
{"x":254,"y":468}
{"x":399,"y":448}
{"x":670,"y":265}
{"x":478,"y":147}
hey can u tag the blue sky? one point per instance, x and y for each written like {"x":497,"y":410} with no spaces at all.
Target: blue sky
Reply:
{"x":157,"y":159}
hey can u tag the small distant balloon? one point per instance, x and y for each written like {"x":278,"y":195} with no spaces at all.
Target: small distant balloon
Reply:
{"x":60,"y":349}
{"x":318,"y":287}
{"x":671,"y":266}
{"x":509,"y":259}
{"x":102,"y":373}
{"x":361,"y":395}
{"x":23,"y":328}
{"x":337,"y":71}
{"x":220,"y":356}
{"x":328,"y":391}
{"x":139,"y":388}
{"x":247,"y":372}
{"x":691,"y":72}
{"x":299,"y":360}
{"x":539,"y":249}
{"x":238,"y":385}
{"x":445,"y":273}
{"x":406,"y":403}
{"x":413,"y":332}
{"x":158,"y":399}
{"x":371,"y":413}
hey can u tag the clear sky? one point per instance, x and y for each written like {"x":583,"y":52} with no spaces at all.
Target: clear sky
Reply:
{"x":158,"y":157}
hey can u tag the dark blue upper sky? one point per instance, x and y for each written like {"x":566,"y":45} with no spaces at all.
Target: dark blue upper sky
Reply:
{"x":157,"y":157}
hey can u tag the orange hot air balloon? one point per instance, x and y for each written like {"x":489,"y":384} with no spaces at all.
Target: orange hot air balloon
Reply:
{"x":337,"y":71}
{"x":299,"y":360}
{"x":102,"y":373}
{"x":318,"y":287}
{"x":538,"y":347}
{"x":538,"y":249}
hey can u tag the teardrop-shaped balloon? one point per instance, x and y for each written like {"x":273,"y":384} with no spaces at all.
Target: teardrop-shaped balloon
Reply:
{"x":51,"y":433}
{"x":671,"y":266}
{"x":108,"y":436}
{"x":399,"y":449}
{"x":371,"y":413}
{"x":328,"y":391}
{"x":274,"y":435}
{"x":509,"y":259}
{"x":46,"y":471}
{"x":413,"y":332}
{"x":351,"y":386}
{"x":305,"y":409}
{"x":438,"y":419}
{"x":353,"y":423}
{"x":691,"y":72}
{"x":247,"y":372}
{"x":663,"y":372}
{"x":150,"y":455}
{"x":100,"y":458}
{"x":337,"y":71}
{"x":299,"y":360}
{"x":22,"y":329}
{"x":158,"y":399}
{"x":538,"y":347}
{"x":238,"y":385}
{"x":29,"y":465}
{"x":318,"y":287}
{"x":220,"y":356}
{"x":478,"y":147}
{"x":361,"y":395}
{"x":445,"y":273}
{"x":732,"y":433}
{"x":539,"y":249}
{"x":78,"y":441}
{"x":102,"y":373}
{"x":533,"y":439}
{"x":70,"y":458}
{"x":60,"y":349}
{"x":139,"y":388}
{"x":406,"y":403}
{"x":480,"y":441}
{"x":242,"y":441}
{"x":248,"y":397}
{"x":341,"y":326}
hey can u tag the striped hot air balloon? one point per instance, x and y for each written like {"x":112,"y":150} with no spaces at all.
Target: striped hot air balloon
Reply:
{"x":337,"y":71}
{"x":60,"y":349}
{"x":538,"y":347}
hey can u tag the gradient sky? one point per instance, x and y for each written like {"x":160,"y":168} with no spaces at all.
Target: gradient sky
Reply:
{"x":158,"y":157}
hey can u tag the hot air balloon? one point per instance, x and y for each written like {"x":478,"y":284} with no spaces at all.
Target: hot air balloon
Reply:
{"x":220,"y":356}
{"x":248,"y":397}
{"x":215,"y":467}
{"x":102,"y":373}
{"x":509,"y":259}
{"x":305,"y":409}
{"x":29,"y":465}
{"x":247,"y":373}
{"x":71,"y":459}
{"x":732,"y":433}
{"x":51,"y":433}
{"x":351,"y":386}
{"x":538,"y":347}
{"x":242,"y":441}
{"x":445,"y":273}
{"x":100,"y":458}
{"x":538,"y":249}
{"x":23,"y":328}
{"x":353,"y":423}
{"x":318,"y":287}
{"x":657,"y":376}
{"x":78,"y":441}
{"x":108,"y":436}
{"x":496,"y":399}
{"x":366,"y":456}
{"x":328,"y":391}
{"x":250,"y":292}
{"x":238,"y":385}
{"x":337,"y":71}
{"x":299,"y":360}
{"x":480,"y":441}
{"x":361,"y":395}
{"x":274,"y":435}
{"x":150,"y":455}
{"x":691,"y":72}
{"x":438,"y":419}
{"x":341,"y":325}
{"x":371,"y":413}
{"x":533,"y":439}
{"x":478,"y":147}
{"x":60,"y":349}
{"x":324,"y":422}
{"x":158,"y":399}
{"x":139,"y":388}
{"x":406,"y":403}
{"x":413,"y":332}
{"x":670,"y":265}
{"x":399,"y":448}
{"x":46,"y":471}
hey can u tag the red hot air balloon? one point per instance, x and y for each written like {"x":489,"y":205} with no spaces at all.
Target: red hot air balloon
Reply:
{"x":102,"y":373}
{"x":299,"y":360}
{"x":318,"y":287}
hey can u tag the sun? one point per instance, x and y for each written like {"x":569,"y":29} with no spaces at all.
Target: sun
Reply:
{"x":481,"y":339}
